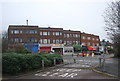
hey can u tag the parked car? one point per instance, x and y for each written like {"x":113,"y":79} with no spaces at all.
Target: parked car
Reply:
{"x":97,"y":53}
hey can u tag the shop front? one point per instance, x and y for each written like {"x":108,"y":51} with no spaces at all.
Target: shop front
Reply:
{"x":46,"y":48}
{"x":57,"y":48}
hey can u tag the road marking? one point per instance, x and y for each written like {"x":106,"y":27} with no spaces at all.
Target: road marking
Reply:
{"x":60,"y":73}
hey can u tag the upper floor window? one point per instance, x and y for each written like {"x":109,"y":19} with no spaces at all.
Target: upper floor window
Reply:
{"x":33,"y":32}
{"x":16,"y":39}
{"x":11,"y":31}
{"x":88,"y":38}
{"x":68,"y":35}
{"x":44,"y":33}
{"x":65,"y":35}
{"x":16,"y":31}
{"x":27,"y":31}
{"x":83,"y":37}
{"x":97,"y":39}
{"x":60,"y":33}
{"x":93,"y":39}
{"x":45,"y":41}
{"x":20,"y":39}
{"x":57,"y":33}
{"x":33,"y":39}
{"x":21,"y":31}
{"x":40,"y":33}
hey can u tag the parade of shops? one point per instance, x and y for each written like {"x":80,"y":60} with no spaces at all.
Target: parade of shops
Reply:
{"x":49,"y":39}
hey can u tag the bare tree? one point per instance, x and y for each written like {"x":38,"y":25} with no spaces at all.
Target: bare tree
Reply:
{"x":112,"y":22}
{"x":4,"y":41}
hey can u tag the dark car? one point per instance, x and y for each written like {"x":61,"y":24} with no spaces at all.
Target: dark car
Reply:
{"x":97,"y":53}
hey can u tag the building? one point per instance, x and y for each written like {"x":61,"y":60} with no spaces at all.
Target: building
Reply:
{"x":46,"y":39}
{"x":89,"y":39}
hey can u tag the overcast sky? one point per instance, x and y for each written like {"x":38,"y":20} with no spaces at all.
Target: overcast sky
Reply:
{"x":81,"y":15}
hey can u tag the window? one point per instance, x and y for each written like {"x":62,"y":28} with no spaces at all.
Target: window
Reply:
{"x":60,"y":33}
{"x":11,"y":31}
{"x":83,"y":43}
{"x":57,"y":41}
{"x":96,"y":39}
{"x":57,"y":33}
{"x":40,"y":41}
{"x":88,"y":38}
{"x":97,"y":44}
{"x":20,"y":39}
{"x":48,"y":33}
{"x":45,"y":41}
{"x":35,"y":40}
{"x":83,"y":37}
{"x":32,"y":31}
{"x":60,"y":41}
{"x":32,"y":39}
{"x":70,"y":42}
{"x":70,"y":35}
{"x":67,"y":35}
{"x":54,"y":41}
{"x":16,"y":40}
{"x":20,"y":31}
{"x":27,"y":31}
{"x":76,"y":42}
{"x":53,"y":33}
{"x":35,"y":31}
{"x":44,"y":33}
{"x":93,"y":39}
{"x":88,"y":43}
{"x":16,"y":31}
{"x":67,"y":42}
{"x":40,"y":33}
{"x":64,"y":42}
{"x":48,"y":41}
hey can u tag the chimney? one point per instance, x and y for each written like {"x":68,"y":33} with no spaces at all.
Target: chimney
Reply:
{"x":27,"y":22}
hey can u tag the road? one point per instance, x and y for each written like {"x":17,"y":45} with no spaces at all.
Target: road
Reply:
{"x":71,"y":70}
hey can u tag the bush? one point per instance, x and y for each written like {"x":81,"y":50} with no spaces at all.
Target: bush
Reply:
{"x":13,"y":63}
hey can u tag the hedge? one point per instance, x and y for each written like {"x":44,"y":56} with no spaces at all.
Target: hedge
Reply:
{"x":15,"y":63}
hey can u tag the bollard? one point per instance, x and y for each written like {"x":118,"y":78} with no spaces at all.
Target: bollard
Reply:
{"x":74,"y":61}
{"x":100,"y":62}
{"x":54,"y":61}
{"x":42,"y":64}
{"x":103,"y":64}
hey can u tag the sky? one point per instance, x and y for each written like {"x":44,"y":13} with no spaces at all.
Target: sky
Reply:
{"x":81,"y":15}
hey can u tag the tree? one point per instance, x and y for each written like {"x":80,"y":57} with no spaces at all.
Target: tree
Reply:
{"x":4,"y":41}
{"x":112,"y":22}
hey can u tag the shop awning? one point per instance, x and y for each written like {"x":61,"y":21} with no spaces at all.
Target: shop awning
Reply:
{"x":91,"y":48}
